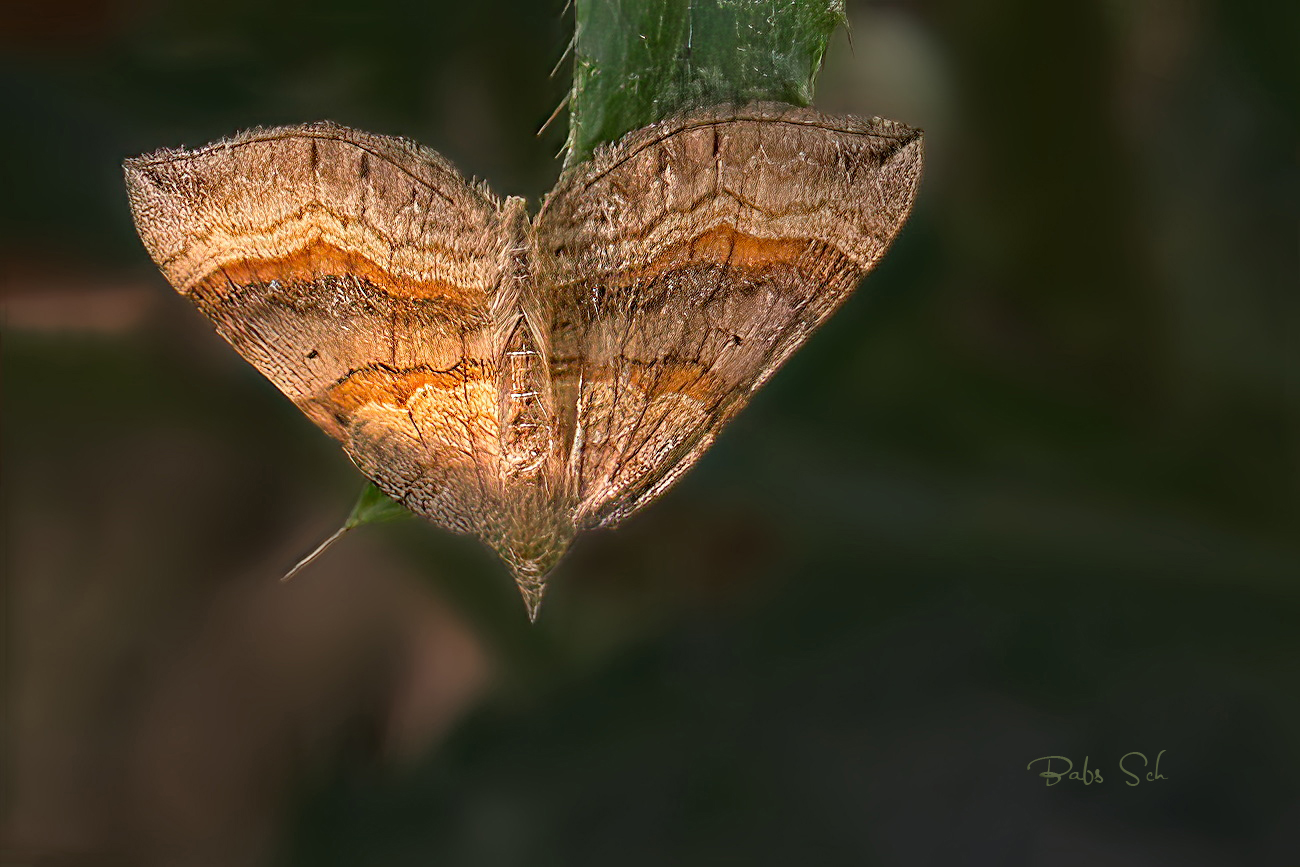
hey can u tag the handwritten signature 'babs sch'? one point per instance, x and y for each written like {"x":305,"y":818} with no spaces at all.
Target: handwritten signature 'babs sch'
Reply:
{"x":1132,"y":764}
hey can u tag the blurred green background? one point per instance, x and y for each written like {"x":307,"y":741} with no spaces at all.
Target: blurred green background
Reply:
{"x":1031,"y":492}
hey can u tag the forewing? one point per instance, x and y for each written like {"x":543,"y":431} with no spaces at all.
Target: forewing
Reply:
{"x":357,"y":273}
{"x":688,"y":262}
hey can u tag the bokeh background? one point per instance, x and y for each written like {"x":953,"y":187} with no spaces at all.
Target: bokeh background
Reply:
{"x":1032,"y":492}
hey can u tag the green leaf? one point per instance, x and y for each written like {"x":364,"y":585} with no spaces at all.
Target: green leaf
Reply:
{"x":375,"y":507}
{"x":639,"y":61}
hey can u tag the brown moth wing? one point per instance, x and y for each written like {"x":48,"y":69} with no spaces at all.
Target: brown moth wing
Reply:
{"x":360,"y":274}
{"x":688,"y":262}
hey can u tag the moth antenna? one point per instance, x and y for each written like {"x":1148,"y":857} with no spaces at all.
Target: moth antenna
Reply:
{"x":320,"y":549}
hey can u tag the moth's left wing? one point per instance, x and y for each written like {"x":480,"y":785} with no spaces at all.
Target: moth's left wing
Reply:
{"x":687,"y":262}
{"x":360,"y":273}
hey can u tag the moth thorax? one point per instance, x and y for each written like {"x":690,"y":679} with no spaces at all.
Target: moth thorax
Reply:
{"x":527,"y":423}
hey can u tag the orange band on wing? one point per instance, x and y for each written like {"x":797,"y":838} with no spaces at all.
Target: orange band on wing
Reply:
{"x":395,"y":387}
{"x":322,"y":259}
{"x":725,"y":244}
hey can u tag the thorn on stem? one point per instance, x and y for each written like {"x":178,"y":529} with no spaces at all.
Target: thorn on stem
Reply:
{"x":320,"y":549}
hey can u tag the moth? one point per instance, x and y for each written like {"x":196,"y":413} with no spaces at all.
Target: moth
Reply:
{"x":519,"y":377}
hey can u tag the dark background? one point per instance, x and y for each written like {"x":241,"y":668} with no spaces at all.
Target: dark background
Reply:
{"x":1031,"y":492}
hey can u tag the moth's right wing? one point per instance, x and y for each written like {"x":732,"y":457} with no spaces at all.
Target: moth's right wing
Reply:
{"x":688,"y":261}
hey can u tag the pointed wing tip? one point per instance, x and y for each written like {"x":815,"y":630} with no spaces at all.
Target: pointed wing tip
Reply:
{"x":911,"y":149}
